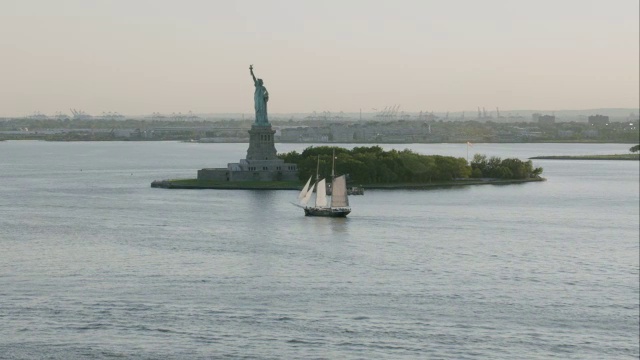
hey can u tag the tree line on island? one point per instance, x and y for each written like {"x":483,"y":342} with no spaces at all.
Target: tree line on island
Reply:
{"x":373,"y":165}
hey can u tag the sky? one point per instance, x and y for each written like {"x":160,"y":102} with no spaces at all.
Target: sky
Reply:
{"x":136,"y":57}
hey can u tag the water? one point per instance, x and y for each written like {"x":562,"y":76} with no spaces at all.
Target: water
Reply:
{"x":95,"y":264}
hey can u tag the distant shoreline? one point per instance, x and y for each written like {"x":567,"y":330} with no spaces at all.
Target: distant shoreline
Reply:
{"x":589,"y":157}
{"x":328,"y":143}
{"x":194,"y":184}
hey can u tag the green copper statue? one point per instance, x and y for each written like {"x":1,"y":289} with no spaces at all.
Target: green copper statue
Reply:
{"x":260,"y":98}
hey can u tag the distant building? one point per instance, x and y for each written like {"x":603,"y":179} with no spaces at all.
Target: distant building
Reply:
{"x":598,"y":120}
{"x":535,"y":117}
{"x":546,"y":119}
{"x":341,"y":133}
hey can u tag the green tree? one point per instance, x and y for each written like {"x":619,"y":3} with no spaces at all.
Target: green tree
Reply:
{"x":371,"y":165}
{"x":479,"y":166}
{"x":634,"y":149}
{"x":476,"y":173}
{"x":536,"y":172}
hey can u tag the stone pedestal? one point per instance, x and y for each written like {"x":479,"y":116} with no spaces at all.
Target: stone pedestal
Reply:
{"x":261,"y":164}
{"x":261,"y":144}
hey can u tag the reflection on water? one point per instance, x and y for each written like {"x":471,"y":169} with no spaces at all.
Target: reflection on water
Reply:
{"x":329,"y":225}
{"x":326,"y":226}
{"x":256,"y":204}
{"x":340,"y":226}
{"x":263,"y":197}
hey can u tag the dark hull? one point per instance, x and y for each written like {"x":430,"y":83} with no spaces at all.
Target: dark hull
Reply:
{"x":327,"y":212}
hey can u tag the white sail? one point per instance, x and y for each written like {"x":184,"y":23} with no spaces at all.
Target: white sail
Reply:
{"x":304,"y":191}
{"x":321,"y":194}
{"x":306,"y":197}
{"x":339,"y":192}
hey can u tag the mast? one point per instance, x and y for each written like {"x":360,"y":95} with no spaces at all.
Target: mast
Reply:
{"x":333,"y":165}
{"x":316,"y":185}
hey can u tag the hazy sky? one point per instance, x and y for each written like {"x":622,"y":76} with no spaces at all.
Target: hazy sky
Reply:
{"x":138,"y":57}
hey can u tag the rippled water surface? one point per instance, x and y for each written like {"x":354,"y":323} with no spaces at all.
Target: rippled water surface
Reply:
{"x":95,"y":264}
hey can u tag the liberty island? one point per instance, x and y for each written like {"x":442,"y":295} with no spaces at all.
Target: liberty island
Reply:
{"x":262,"y":168}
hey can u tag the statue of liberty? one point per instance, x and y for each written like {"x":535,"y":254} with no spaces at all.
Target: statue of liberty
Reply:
{"x":260,"y":98}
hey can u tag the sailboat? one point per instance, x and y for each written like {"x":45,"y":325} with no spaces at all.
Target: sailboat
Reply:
{"x":335,"y":206}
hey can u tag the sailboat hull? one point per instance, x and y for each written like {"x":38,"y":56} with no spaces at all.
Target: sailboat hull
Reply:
{"x":326,"y":212}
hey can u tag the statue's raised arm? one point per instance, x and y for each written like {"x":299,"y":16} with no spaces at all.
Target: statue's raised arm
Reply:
{"x":253,"y":76}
